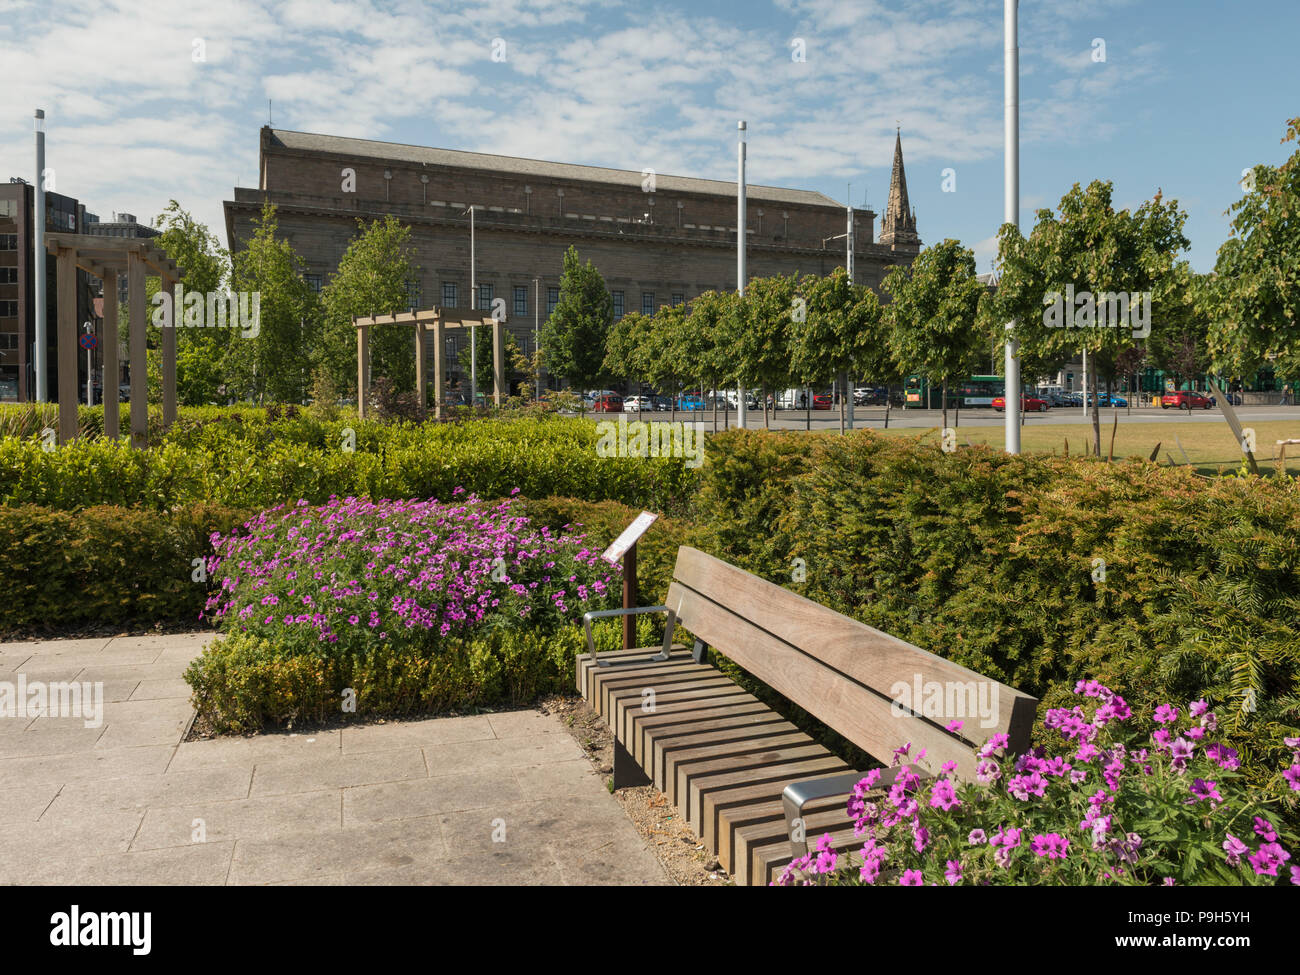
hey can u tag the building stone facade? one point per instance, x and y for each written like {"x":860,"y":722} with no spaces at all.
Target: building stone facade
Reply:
{"x":656,"y":239}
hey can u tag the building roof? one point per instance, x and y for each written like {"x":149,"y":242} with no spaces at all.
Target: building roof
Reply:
{"x":541,"y":169}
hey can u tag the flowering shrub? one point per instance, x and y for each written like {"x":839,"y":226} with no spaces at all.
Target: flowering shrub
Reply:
{"x":1103,"y":803}
{"x":411,"y":605}
{"x":353,"y":572}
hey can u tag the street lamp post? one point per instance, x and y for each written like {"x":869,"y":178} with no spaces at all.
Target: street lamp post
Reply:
{"x":740,"y":250}
{"x":42,"y":391}
{"x":90,"y":366}
{"x":1011,"y":133}
{"x":473,"y":304}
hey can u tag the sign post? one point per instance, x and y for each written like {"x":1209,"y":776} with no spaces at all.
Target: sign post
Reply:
{"x":624,"y":547}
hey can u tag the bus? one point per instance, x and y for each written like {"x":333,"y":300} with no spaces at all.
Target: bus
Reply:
{"x":973,"y":391}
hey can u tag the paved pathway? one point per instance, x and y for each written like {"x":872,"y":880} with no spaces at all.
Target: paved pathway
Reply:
{"x":504,"y":798}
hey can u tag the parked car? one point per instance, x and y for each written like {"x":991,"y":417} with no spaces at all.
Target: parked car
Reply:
{"x":1106,"y":399}
{"x":870,"y":396}
{"x":1234,"y":399}
{"x":690,"y":403}
{"x":1028,"y":404}
{"x":822,"y":401}
{"x":1185,"y":399}
{"x":636,"y":404}
{"x":610,"y":403}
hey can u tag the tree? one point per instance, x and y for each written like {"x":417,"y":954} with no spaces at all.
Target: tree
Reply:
{"x":200,"y":352}
{"x":625,"y":347}
{"x":1180,"y":346}
{"x":575,"y":332}
{"x":510,"y":356}
{"x":1255,"y":304}
{"x":702,"y":342}
{"x":1085,"y":260}
{"x":373,"y":278}
{"x":933,"y":316}
{"x":755,"y":334}
{"x":836,"y":331}
{"x":275,"y":361}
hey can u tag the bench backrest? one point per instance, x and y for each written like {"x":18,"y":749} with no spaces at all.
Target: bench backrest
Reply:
{"x":876,"y":690}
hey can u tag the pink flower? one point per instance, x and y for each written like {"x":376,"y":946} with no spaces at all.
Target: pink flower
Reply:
{"x":911,"y":878}
{"x":952,"y":872}
{"x":1166,"y":714}
{"x":1052,"y":845}
{"x":1267,"y":859}
{"x":1233,"y":849}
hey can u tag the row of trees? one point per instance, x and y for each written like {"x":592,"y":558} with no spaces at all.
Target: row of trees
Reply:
{"x":934,"y":317}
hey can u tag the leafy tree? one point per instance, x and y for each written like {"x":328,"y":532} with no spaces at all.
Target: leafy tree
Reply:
{"x":1088,"y":248}
{"x":200,"y":352}
{"x":574,"y":334}
{"x":1181,"y":346}
{"x":510,"y":352}
{"x":837,"y":332}
{"x":755,"y":334}
{"x":702,"y":343}
{"x":933,"y":315}
{"x":1255,"y":305}
{"x":625,"y":347}
{"x":373,"y":278}
{"x":273,"y":363}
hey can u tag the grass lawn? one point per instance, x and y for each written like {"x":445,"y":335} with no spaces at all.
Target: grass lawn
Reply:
{"x":1208,"y":446}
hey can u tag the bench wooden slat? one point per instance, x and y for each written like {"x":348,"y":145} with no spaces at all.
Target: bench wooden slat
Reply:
{"x":859,"y":714}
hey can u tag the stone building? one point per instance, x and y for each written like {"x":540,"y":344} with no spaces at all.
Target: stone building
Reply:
{"x":656,"y":239}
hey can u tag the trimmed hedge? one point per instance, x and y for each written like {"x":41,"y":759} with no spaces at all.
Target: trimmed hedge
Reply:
{"x":254,"y":463}
{"x":104,"y":564}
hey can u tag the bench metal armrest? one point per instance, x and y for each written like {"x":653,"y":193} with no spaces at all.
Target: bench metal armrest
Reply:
{"x":670,"y":624}
{"x":799,"y":794}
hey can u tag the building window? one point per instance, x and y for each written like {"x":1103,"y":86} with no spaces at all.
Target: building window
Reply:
{"x":678,"y":298}
{"x":412,"y":294}
{"x":552,"y":299}
{"x":521,"y":300}
{"x":618,"y":305}
{"x":449,"y":299}
{"x":8,"y":309}
{"x":8,"y":275}
{"x":8,"y":242}
{"x":485,"y":297}
{"x":8,"y":341}
{"x":313,"y":282}
{"x":647,"y":303}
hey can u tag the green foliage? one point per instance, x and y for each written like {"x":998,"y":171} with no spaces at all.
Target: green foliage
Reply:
{"x":1255,"y":305}
{"x":932,"y":318}
{"x":104,"y":565}
{"x":273,"y":363}
{"x":573,"y":337}
{"x":238,"y":458}
{"x":988,"y":560}
{"x":371,"y":279}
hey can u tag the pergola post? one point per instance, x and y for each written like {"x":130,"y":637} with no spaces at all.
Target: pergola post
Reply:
{"x":169,"y":357}
{"x":136,"y":347}
{"x":66,"y":290}
{"x":419,"y":367}
{"x":439,"y":367}
{"x":363,"y":378}
{"x":498,"y":361}
{"x":111,"y":408}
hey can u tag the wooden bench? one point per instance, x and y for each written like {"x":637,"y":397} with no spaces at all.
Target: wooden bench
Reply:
{"x":740,"y":774}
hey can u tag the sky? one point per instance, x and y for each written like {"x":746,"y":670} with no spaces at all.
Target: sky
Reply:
{"x":148,"y":101}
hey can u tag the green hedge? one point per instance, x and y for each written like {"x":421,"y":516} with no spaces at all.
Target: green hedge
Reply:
{"x":252,"y":463}
{"x":988,"y":560}
{"x":104,"y":564}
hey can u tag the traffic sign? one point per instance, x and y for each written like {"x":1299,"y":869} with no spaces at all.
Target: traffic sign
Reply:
{"x":88,"y":341}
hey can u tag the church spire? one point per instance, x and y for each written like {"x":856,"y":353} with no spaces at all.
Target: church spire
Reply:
{"x":899,"y":224}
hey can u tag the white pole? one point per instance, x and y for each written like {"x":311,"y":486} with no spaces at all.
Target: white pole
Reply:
{"x":848,"y":266}
{"x":1011,"y":126}
{"x":1085,"y":382}
{"x":473,"y":333}
{"x":537,"y":337}
{"x":90,"y":368}
{"x":42,"y":390}
{"x":740,"y":249}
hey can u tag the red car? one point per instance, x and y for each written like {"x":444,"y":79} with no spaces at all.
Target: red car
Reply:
{"x":1028,"y":404}
{"x":607,"y":404}
{"x":822,"y":401}
{"x":1185,"y":400}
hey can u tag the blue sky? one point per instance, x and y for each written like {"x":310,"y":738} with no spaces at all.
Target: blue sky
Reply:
{"x":1190,"y":93}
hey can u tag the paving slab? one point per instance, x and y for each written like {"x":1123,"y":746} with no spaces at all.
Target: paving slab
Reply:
{"x":504,"y":798}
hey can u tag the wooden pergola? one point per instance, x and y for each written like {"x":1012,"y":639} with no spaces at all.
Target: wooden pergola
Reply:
{"x":431,"y":319}
{"x":106,"y":258}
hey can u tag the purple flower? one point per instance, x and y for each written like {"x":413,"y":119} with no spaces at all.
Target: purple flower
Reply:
{"x":1052,"y":845}
{"x":952,"y":872}
{"x":1267,"y":859}
{"x":1203,"y":790}
{"x":1166,"y":714}
{"x":976,"y":837}
{"x":1264,"y":830}
{"x":911,"y":878}
{"x":1233,"y":848}
{"x":943,"y":796}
